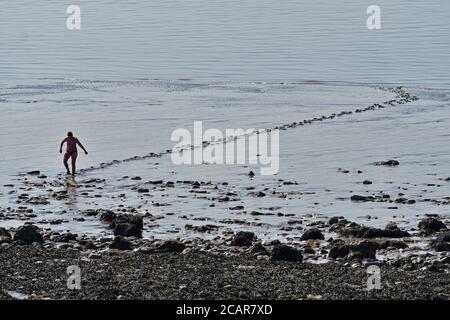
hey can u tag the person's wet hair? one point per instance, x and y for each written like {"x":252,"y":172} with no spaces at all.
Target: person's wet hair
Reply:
{"x":69,"y":134}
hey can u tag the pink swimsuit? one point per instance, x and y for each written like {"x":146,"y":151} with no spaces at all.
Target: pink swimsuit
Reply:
{"x":71,"y":146}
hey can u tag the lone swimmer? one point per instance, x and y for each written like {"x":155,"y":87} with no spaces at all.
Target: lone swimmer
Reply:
{"x":71,"y":151}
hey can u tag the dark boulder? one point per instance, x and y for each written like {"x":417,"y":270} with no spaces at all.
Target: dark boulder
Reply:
{"x":335,"y":220}
{"x":66,"y":237}
{"x":361,"y":250}
{"x":358,"y":231}
{"x":128,"y":225}
{"x":442,"y":242}
{"x":313,"y":234}
{"x":274,"y":242}
{"x":171,"y":246}
{"x":391,"y":226}
{"x":441,"y":246}
{"x":431,"y":225}
{"x":127,"y":230}
{"x":120,"y":243}
{"x":28,"y":234}
{"x":391,"y":163}
{"x":259,"y":249}
{"x":338,"y":252}
{"x":133,"y":219}
{"x":107,"y":216}
{"x":4,"y":233}
{"x":243,"y":239}
{"x":357,"y":197}
{"x":286,"y":253}
{"x":393,"y":244}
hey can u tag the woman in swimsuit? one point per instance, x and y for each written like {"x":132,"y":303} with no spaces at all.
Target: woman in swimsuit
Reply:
{"x":71,"y":151}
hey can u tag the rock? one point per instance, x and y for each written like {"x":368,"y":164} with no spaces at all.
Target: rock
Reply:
{"x":134,"y":219}
{"x":127,"y":230}
{"x":391,"y":226}
{"x":309,"y":250}
{"x":390,"y":163}
{"x":338,"y":252}
{"x":274,"y":242}
{"x":143,"y":190}
{"x":136,"y":178}
{"x":28,"y":234}
{"x":251,"y":174}
{"x":431,"y":225}
{"x":367,"y":182}
{"x":286,"y":253}
{"x":243,"y":239}
{"x":356,"y":197}
{"x":393,"y":244}
{"x":442,"y":242}
{"x":358,"y":231}
{"x":128,"y":225}
{"x":4,"y":233}
{"x":259,"y":249}
{"x":441,"y":246}
{"x":4,"y":239}
{"x":312,"y":234}
{"x":334,"y":220}
{"x":361,"y":250}
{"x":66,"y":237}
{"x":120,"y":243}
{"x":171,"y":246}
{"x":107,"y":216}
{"x":34,"y":173}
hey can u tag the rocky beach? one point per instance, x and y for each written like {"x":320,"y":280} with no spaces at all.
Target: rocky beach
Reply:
{"x":251,"y":238}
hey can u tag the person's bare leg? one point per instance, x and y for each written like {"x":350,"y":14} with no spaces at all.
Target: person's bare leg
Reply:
{"x":74,"y":162}
{"x":66,"y":159}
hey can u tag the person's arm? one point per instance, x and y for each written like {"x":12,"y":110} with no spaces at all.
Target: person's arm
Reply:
{"x":81,"y":146}
{"x":61,"y":146}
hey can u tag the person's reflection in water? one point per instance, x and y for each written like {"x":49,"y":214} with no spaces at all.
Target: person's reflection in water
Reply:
{"x":70,"y":188}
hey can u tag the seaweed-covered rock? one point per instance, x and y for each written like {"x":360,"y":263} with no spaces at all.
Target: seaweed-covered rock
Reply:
{"x":171,"y":246}
{"x":127,"y":230}
{"x":338,"y":252}
{"x":128,"y":225}
{"x":66,"y":237}
{"x":358,"y":231}
{"x":360,"y":250}
{"x":259,"y":249}
{"x":442,"y":242}
{"x":28,"y":234}
{"x":243,"y":239}
{"x":133,"y":219}
{"x":107,"y":216}
{"x":431,"y":225}
{"x":120,"y":243}
{"x":4,"y":233}
{"x":286,"y":253}
{"x":313,"y":234}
